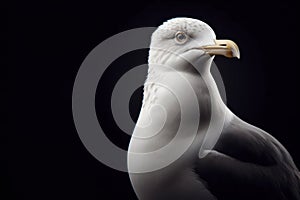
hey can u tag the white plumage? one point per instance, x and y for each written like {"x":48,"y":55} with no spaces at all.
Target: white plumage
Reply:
{"x":163,"y":158}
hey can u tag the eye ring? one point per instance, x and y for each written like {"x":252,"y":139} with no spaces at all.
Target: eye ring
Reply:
{"x":181,"y":37}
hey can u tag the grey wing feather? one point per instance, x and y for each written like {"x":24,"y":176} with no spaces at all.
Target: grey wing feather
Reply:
{"x":248,"y":163}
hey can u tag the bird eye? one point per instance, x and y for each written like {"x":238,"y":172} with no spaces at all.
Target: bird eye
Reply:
{"x":180,"y":37}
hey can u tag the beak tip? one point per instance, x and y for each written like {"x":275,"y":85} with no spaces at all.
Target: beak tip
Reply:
{"x":236,"y":53}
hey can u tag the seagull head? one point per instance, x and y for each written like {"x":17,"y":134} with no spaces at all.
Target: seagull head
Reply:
{"x":188,"y":38}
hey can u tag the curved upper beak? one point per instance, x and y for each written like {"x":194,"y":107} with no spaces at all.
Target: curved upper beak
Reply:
{"x":226,"y":48}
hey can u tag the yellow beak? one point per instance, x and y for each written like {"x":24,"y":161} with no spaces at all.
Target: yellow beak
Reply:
{"x":226,"y":48}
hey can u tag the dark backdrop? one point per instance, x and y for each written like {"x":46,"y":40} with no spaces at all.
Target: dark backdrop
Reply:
{"x":44,"y":157}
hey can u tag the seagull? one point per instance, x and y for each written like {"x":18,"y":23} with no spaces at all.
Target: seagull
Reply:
{"x":187,"y":144}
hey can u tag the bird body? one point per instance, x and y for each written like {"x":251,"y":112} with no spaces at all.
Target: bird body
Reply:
{"x":224,"y":157}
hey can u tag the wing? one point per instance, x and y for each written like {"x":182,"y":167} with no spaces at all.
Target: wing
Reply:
{"x":248,"y":163}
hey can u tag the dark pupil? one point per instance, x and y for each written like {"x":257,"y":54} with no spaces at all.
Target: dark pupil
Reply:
{"x":181,"y":36}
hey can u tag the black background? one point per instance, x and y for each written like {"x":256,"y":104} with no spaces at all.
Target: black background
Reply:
{"x":44,"y":157}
